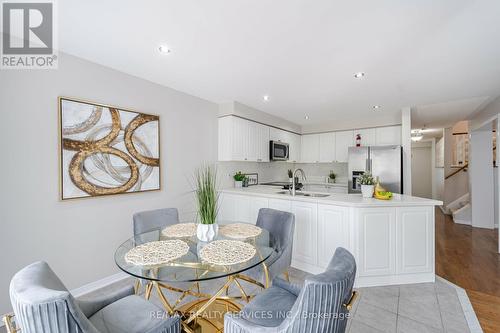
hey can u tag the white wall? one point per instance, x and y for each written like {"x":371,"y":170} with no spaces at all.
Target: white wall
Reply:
{"x":421,"y":169}
{"x":485,"y":115}
{"x":78,"y":238}
{"x":248,"y":112}
{"x":378,"y":120}
{"x":481,"y":179}
{"x":406,"y":144}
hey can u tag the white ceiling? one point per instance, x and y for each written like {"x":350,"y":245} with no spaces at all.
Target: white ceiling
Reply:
{"x":301,"y":53}
{"x":443,"y":115}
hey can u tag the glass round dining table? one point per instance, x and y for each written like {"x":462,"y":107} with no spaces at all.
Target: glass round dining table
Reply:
{"x":175,"y":259}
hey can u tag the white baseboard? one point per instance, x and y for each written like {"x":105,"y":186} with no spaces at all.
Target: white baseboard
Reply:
{"x":462,"y":222}
{"x":93,"y":286}
{"x":443,"y":209}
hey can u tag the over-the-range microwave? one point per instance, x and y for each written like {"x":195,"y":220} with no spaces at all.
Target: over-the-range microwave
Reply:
{"x":278,"y":151}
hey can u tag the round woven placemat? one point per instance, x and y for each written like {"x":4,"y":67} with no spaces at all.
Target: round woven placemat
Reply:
{"x":180,"y":230}
{"x":227,"y":252}
{"x":157,"y":253}
{"x":240,"y":230}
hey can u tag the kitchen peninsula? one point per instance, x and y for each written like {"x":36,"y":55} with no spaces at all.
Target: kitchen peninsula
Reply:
{"x":392,"y":240}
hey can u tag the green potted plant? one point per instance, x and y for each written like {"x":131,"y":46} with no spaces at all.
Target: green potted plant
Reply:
{"x":290,"y":176}
{"x":367,"y":184}
{"x":238,"y":179}
{"x":331,"y":177}
{"x":207,"y":200}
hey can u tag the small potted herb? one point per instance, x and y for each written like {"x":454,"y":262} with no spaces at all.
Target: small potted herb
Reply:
{"x":331,"y":177}
{"x":367,"y":184}
{"x":290,"y":176}
{"x":238,"y":179}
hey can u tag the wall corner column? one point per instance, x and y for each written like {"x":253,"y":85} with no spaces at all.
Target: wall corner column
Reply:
{"x":406,"y":143}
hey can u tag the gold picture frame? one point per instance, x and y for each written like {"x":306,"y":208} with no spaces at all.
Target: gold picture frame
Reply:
{"x":106,"y":150}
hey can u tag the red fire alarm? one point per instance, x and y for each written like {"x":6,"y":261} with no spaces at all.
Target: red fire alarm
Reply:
{"x":358,"y":140}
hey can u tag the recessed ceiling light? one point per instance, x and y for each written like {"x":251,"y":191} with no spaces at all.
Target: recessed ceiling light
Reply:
{"x":416,"y":135}
{"x":375,"y":107}
{"x":359,"y":75}
{"x":306,"y":117}
{"x":164,"y":49}
{"x":265,"y":98}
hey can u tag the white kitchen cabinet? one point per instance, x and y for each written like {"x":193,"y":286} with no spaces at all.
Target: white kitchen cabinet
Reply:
{"x":310,"y":148}
{"x":242,"y":140}
{"x":280,"y":204}
{"x":241,"y":208}
{"x":295,"y":147}
{"x":415,"y":240}
{"x":255,"y":204}
{"x":343,"y":140}
{"x":368,"y":136}
{"x":392,"y":245}
{"x":333,"y":232}
{"x":377,"y":241}
{"x":276,"y":134}
{"x":305,"y":235}
{"x":263,"y":143}
{"x":327,"y":147}
{"x":232,"y":207}
{"x":252,"y":146}
{"x":390,"y":135}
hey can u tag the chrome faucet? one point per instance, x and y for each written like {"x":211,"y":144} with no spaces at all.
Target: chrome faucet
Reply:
{"x":303,"y":174}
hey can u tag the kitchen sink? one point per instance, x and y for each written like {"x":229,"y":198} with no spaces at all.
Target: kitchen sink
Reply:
{"x":304,"y":194}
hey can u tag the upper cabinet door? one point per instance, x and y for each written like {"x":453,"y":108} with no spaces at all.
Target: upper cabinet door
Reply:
{"x":295,"y":148}
{"x":310,"y":148}
{"x":278,"y":135}
{"x":327,"y":147}
{"x":240,"y":135}
{"x":343,"y":140}
{"x":225,"y":139}
{"x":263,"y":143}
{"x":252,"y":143}
{"x":390,"y":135}
{"x":368,"y":136}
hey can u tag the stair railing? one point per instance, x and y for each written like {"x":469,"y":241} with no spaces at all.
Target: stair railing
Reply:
{"x":462,"y":168}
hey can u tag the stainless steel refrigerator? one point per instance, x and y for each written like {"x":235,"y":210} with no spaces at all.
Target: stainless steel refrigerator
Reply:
{"x":385,"y":162}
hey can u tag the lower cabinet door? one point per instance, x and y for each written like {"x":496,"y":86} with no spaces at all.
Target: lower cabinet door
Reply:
{"x":305,"y":235}
{"x":377,"y":241}
{"x":280,"y":204}
{"x":333,"y":232}
{"x":415,"y":240}
{"x":256,"y":203}
{"x":234,"y":207}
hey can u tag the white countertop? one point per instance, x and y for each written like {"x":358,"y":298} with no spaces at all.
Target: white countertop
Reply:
{"x":350,"y":200}
{"x":342,"y":184}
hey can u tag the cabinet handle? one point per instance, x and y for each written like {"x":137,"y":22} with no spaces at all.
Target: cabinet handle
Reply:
{"x":259,"y":159}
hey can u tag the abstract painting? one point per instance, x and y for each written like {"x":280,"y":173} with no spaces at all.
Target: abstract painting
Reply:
{"x":107,"y":150}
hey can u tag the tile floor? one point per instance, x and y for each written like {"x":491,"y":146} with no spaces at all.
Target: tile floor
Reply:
{"x":419,"y":308}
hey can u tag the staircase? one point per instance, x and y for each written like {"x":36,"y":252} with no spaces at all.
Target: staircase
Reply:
{"x":461,"y":210}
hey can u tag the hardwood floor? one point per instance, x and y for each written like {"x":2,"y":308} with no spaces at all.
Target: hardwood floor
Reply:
{"x":468,"y":257}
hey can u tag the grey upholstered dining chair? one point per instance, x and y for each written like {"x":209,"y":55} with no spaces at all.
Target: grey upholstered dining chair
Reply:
{"x":42,"y":304}
{"x":281,"y":226}
{"x":320,"y":305}
{"x":149,"y":220}
{"x":154,"y":219}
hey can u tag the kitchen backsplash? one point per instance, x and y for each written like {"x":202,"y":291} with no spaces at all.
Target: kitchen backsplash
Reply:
{"x":277,"y":171}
